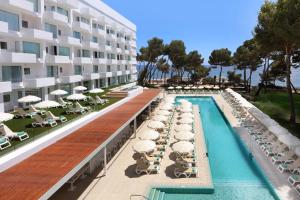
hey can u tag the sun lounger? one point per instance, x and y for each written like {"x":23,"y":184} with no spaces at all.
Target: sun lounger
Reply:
{"x":73,"y":110}
{"x":34,"y":110}
{"x":92,"y":101}
{"x":275,"y":150}
{"x":184,"y":170}
{"x":39,"y":121}
{"x":144,"y":166}
{"x":63,"y":103}
{"x":291,"y":166}
{"x":152,"y":159}
{"x":285,"y":157}
{"x":9,"y":134}
{"x":4,"y":143}
{"x":20,"y":112}
{"x":79,"y":107}
{"x":50,"y":115}
{"x":298,"y":188}
{"x":294,"y":179}
{"x":102,"y":101}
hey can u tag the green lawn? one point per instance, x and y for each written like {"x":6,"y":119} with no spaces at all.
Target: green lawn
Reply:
{"x":24,"y":124}
{"x":276,"y":105}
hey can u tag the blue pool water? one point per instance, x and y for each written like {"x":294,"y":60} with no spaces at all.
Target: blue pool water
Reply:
{"x":235,"y":175}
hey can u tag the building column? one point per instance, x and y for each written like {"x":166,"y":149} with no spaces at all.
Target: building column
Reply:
{"x":2,"y":103}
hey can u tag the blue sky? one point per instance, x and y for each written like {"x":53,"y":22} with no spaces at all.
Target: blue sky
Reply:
{"x":202,"y":25}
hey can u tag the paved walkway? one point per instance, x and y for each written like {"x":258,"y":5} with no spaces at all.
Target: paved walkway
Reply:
{"x":33,"y":177}
{"x":121,"y":180}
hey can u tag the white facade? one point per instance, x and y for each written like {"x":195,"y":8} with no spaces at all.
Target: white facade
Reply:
{"x":50,"y":44}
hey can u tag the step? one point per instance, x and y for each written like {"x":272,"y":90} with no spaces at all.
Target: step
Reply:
{"x":152,"y":193}
{"x":156,"y":195}
{"x":161,"y":196}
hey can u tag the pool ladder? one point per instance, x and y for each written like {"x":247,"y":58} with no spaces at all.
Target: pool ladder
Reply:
{"x":138,"y":195}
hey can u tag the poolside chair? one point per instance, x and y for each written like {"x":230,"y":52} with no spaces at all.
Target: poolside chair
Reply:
{"x":102,"y":101}
{"x":72,"y":110}
{"x":156,"y":153}
{"x":182,"y":169}
{"x":144,"y":166}
{"x":63,"y":103}
{"x":20,"y":112}
{"x":181,"y":159}
{"x":276,"y":149}
{"x":297,"y":188}
{"x":4,"y":143}
{"x":9,"y":134}
{"x":291,"y":166}
{"x":34,"y":110}
{"x":80,"y":107}
{"x":285,"y":157}
{"x":294,"y":179}
{"x":50,"y":115}
{"x":151,"y":159}
{"x":93,"y":101}
{"x":39,"y":121}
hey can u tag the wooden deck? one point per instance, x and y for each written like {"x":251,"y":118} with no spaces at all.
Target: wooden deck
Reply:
{"x":34,"y":176}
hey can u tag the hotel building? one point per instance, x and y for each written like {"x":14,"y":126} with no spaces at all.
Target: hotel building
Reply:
{"x":51,"y":44}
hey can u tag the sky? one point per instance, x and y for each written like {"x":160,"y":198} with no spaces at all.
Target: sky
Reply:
{"x":202,"y":25}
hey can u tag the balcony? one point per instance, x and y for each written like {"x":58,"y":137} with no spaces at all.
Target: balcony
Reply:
{"x":82,"y":26}
{"x":56,"y":17}
{"x":132,"y":43}
{"x":119,"y":50}
{"x":133,"y":62}
{"x":99,"y":61}
{"x":13,"y":57}
{"x":36,"y":34}
{"x":70,"y":79}
{"x":5,"y":87}
{"x":122,"y":40}
{"x":3,"y":27}
{"x":18,"y":5}
{"x":108,"y":74}
{"x":108,"y":48}
{"x":54,"y":59}
{"x":127,"y":72}
{"x":99,"y":32}
{"x":123,"y":62}
{"x":82,"y":60}
{"x":119,"y":73}
{"x":73,"y":4}
{"x":39,"y":82}
{"x":91,"y":45}
{"x":126,"y":51}
{"x":112,"y":62}
{"x":88,"y":12}
{"x":68,"y":40}
{"x":133,"y":52}
{"x":91,"y":76}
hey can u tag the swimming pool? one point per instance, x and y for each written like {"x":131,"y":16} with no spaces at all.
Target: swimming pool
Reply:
{"x":235,"y":175}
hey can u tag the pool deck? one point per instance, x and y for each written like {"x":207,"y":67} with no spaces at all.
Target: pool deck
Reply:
{"x":121,"y":180}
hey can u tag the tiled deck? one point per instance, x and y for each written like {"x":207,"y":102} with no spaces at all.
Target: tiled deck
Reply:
{"x":33,"y":177}
{"x":121,"y":180}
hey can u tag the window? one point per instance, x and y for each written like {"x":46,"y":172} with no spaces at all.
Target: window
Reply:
{"x":113,"y":56}
{"x":95,"y":69}
{"x":94,"y":39}
{"x":77,"y":19}
{"x":6,"y":98}
{"x":107,"y":31}
{"x":108,"y":68}
{"x":101,"y":55}
{"x":94,"y":25}
{"x":12,"y":73}
{"x":52,"y":29}
{"x":108,"y":56}
{"x":119,"y":68}
{"x":62,"y":11}
{"x":59,"y":32}
{"x":26,"y":71}
{"x":3,"y":45}
{"x":35,"y":5}
{"x":60,"y":69}
{"x":126,"y":48}
{"x":95,"y":54}
{"x":86,"y":53}
{"x":108,"y":43}
{"x":31,"y":47}
{"x":118,"y":45}
{"x":126,"y":67}
{"x":77,"y":70}
{"x":64,"y":51}
{"x":24,"y":24}
{"x":11,"y":19}
{"x":77,"y":35}
{"x":100,"y":27}
{"x":52,"y":71}
{"x":84,"y":20}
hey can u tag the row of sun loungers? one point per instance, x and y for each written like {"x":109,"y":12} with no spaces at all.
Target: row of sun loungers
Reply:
{"x":149,"y":163}
{"x":283,"y":158}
